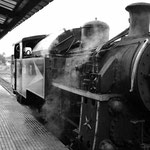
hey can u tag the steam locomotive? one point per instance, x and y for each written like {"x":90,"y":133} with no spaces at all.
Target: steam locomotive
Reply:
{"x":93,"y":92}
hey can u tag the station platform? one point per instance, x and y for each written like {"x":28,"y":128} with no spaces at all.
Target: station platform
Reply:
{"x":19,"y":130}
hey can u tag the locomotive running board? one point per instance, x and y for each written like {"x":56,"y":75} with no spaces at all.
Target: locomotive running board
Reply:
{"x":98,"y":97}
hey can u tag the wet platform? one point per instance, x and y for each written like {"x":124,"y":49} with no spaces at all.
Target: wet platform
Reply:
{"x":19,"y":130}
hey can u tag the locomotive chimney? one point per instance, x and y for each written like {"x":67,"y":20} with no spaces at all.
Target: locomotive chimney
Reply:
{"x":139,"y":19}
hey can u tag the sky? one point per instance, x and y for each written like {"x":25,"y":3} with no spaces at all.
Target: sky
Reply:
{"x":68,"y":14}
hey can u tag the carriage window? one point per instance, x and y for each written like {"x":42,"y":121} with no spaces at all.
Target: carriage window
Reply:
{"x":27,"y":52}
{"x":17,"y":51}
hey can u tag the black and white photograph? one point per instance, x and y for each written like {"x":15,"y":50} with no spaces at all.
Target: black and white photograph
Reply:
{"x":74,"y":75}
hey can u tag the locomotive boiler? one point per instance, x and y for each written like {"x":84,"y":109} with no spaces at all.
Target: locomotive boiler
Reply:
{"x":93,"y":92}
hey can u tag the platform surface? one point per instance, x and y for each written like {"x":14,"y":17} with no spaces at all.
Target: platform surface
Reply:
{"x":19,"y":130}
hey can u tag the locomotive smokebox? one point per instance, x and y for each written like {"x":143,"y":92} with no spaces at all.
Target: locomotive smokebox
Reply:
{"x":139,"y":19}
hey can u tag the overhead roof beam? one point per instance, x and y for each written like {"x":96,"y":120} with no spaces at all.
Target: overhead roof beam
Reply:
{"x":23,"y":9}
{"x":5,"y":12}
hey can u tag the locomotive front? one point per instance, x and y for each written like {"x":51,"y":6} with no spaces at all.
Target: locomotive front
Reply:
{"x":119,"y":73}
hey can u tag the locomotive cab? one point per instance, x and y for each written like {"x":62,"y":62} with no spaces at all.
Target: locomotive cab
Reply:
{"x":22,"y":51}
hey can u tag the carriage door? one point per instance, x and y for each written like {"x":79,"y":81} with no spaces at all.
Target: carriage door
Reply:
{"x":14,"y":66}
{"x":12,"y":72}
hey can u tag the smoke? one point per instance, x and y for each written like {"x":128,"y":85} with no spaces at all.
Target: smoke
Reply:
{"x":51,"y":111}
{"x":94,"y":34}
{"x":70,"y":75}
{"x":60,"y":105}
{"x":43,"y":47}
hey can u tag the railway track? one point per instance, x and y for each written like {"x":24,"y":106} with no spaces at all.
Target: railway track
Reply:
{"x":5,"y":84}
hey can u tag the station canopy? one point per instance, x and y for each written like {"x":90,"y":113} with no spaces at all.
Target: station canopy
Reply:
{"x":14,"y":12}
